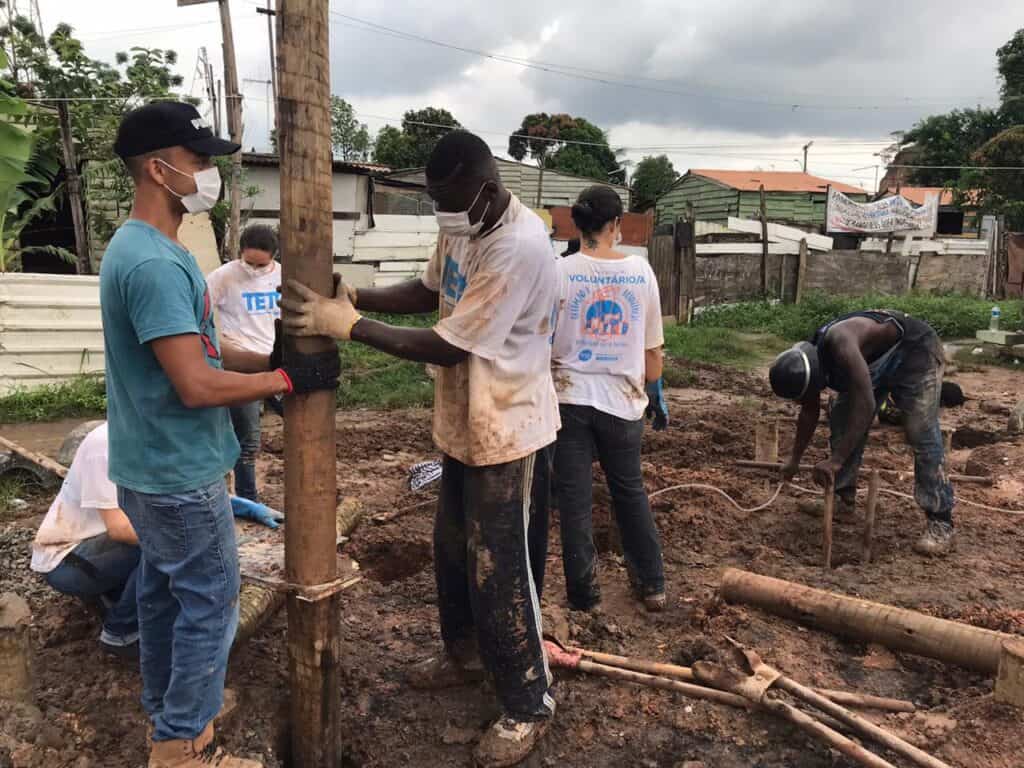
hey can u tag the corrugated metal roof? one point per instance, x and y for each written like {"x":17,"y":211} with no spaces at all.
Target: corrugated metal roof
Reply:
{"x":265,"y":160}
{"x":918,"y":195}
{"x":774,"y":181}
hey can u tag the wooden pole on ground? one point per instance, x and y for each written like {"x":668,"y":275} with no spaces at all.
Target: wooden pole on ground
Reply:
{"x":869,"y":517}
{"x":67,"y":141}
{"x":310,"y":483}
{"x":868,"y":622}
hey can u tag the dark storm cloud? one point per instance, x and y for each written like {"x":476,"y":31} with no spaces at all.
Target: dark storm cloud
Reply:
{"x":878,"y":66}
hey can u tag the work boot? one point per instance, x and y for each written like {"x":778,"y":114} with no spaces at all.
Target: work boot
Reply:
{"x":445,"y":672}
{"x":655,"y":602}
{"x":200,"y":752}
{"x":844,"y":507}
{"x":509,"y":741}
{"x":937,"y":539}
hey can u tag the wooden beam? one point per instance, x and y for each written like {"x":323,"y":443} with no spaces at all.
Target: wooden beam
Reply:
{"x":304,"y":142}
{"x":764,"y":244}
{"x":233,"y":96}
{"x":868,"y":622}
{"x":801,"y":273}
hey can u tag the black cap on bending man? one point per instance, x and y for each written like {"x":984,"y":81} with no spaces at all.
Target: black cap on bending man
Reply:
{"x":797,"y":372}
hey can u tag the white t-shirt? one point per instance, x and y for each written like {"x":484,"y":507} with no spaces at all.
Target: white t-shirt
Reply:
{"x":498,"y":296}
{"x":609,"y":315}
{"x":74,"y":515}
{"x":245,"y":300}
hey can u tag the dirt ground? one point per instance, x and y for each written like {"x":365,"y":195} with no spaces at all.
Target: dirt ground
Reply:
{"x":88,"y":712}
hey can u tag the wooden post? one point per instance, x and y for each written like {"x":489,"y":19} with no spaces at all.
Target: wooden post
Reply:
{"x":766,"y":439}
{"x":868,"y":622}
{"x":801,"y":272}
{"x":310,"y":482}
{"x":270,"y":13}
{"x":234,"y":104}
{"x":869,"y":519}
{"x":764,"y":244}
{"x":67,"y":141}
{"x":15,"y":648}
{"x":1010,"y":680}
{"x":826,"y":540}
{"x":686,"y":268}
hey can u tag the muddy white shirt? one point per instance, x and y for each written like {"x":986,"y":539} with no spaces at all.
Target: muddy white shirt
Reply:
{"x":74,"y":515}
{"x":609,"y":315}
{"x":245,"y":300}
{"x":498,"y":297}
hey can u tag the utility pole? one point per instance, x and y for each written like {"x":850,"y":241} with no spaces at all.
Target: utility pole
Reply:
{"x":211,"y":89}
{"x":74,"y":189}
{"x":234,"y":100}
{"x":806,"y":147}
{"x":234,"y":103}
{"x":270,"y":13}
{"x":310,"y":482}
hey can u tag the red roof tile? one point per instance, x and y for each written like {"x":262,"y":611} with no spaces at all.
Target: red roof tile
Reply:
{"x":775,"y":181}
{"x":918,"y":195}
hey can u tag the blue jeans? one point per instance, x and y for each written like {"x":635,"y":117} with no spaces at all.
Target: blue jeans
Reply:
{"x":103,"y":569}
{"x":246,"y":421}
{"x":188,"y":604}
{"x":914,"y":377}
{"x":617,"y":442}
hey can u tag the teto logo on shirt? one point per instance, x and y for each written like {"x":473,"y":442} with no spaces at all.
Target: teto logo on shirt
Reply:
{"x":606,"y":313}
{"x":261,"y":302}
{"x":453,"y":282}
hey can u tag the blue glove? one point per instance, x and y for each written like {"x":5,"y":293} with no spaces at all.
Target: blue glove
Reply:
{"x":258,"y":513}
{"x":657,"y":408}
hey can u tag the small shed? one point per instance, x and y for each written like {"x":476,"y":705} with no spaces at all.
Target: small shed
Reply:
{"x":529,"y":184}
{"x":791,"y":197}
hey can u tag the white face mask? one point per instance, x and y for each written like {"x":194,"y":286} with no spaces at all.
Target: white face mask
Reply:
{"x":457,"y":224}
{"x":207,"y":189}
{"x":254,"y":271}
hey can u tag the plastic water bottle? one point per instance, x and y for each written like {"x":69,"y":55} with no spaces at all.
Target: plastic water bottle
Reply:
{"x":993,"y":322}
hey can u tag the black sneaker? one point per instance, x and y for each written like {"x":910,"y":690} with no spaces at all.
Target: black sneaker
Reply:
{"x":122,"y":648}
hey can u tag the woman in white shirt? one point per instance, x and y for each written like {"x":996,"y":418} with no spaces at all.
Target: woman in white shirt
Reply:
{"x":606,"y":363}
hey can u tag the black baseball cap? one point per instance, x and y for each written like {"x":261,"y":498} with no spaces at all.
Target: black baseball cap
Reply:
{"x":162,"y":124}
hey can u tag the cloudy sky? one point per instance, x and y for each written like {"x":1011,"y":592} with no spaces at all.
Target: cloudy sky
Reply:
{"x":728,"y":84}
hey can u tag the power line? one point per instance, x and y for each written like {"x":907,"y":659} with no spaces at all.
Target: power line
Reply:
{"x":567,"y":71}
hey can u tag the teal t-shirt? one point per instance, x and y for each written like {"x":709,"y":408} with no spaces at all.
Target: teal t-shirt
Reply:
{"x":151,"y":287}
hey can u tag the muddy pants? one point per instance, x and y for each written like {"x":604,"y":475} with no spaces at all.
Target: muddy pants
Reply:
{"x":914,"y":377}
{"x":485,"y":589}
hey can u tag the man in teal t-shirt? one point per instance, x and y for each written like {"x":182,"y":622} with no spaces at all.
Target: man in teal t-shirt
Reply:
{"x":171,"y":440}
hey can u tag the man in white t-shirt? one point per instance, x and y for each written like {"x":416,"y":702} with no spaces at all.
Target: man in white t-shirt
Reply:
{"x":244,"y":295}
{"x":86,"y":546}
{"x":494,"y":282}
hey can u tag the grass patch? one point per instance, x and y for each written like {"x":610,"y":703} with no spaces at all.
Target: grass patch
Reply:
{"x":719,"y":346}
{"x":11,"y":488}
{"x":372,"y":379}
{"x":950,"y":316}
{"x":81,"y":396}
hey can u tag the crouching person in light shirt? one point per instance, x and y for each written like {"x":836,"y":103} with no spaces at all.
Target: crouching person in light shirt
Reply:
{"x":86,"y":546}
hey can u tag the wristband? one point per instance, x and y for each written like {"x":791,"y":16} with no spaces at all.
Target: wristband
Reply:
{"x":287,"y":381}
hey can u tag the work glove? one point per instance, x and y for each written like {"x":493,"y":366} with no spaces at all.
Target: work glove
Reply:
{"x":244,"y":509}
{"x":277,"y":353}
{"x":316,"y":315}
{"x":657,"y":408}
{"x":311,"y":372}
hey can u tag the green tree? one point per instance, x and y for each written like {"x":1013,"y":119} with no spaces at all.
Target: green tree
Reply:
{"x":950,"y":139}
{"x":997,"y":191}
{"x":411,"y":146}
{"x":652,"y":178}
{"x":564,"y":143}
{"x":350,"y":139}
{"x":1010,"y":63}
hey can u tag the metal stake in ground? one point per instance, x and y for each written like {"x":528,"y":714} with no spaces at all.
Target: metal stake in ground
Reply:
{"x":309,"y":432}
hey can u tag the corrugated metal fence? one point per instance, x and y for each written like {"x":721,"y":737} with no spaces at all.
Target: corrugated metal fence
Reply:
{"x":50,"y":329}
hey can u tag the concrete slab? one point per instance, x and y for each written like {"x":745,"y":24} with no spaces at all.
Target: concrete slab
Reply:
{"x":1002,"y":338}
